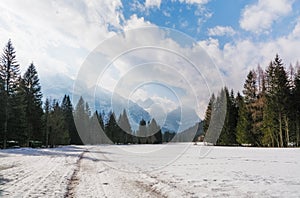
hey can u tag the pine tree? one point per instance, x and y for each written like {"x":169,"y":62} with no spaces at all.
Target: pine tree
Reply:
{"x":296,"y":107}
{"x":111,"y":128}
{"x":9,"y":73}
{"x":155,"y":131}
{"x":58,"y":135}
{"x":82,"y":118}
{"x":2,"y":113}
{"x":142,"y":132}
{"x":17,"y":124}
{"x":217,"y":120}
{"x":208,"y":113}
{"x":243,"y":135}
{"x":47,"y":109}
{"x":228,"y":133}
{"x":33,"y":102}
{"x":67,"y":109}
{"x":125,"y":127}
{"x":248,"y":111}
{"x":277,"y":94}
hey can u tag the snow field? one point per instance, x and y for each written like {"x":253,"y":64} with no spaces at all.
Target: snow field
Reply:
{"x":172,"y":170}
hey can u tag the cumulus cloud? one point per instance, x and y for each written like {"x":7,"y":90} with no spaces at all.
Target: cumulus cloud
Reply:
{"x":57,"y":34}
{"x":221,"y":31}
{"x":260,"y":16}
{"x":236,"y":58}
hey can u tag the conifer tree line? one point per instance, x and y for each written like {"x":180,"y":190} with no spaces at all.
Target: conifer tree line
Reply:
{"x":26,"y":121}
{"x":266,"y":113}
{"x":117,"y":130}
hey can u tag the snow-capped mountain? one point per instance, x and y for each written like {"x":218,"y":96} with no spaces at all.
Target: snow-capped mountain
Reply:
{"x":180,"y":119}
{"x":105,"y":101}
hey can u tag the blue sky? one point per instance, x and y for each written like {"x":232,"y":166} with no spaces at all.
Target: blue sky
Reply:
{"x":237,"y":35}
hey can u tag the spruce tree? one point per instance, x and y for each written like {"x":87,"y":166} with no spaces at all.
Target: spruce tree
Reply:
{"x":67,"y":109}
{"x":82,"y":118}
{"x":296,"y":107}
{"x":277,"y":94}
{"x":142,"y":132}
{"x":47,"y":109}
{"x":208,"y":113}
{"x":58,"y":134}
{"x":33,"y":102}
{"x":125,"y":127}
{"x":9,"y":74}
{"x":111,"y":128}
{"x":243,"y":135}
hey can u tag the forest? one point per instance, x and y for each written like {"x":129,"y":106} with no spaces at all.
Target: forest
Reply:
{"x":266,"y":113}
{"x":25,"y":120}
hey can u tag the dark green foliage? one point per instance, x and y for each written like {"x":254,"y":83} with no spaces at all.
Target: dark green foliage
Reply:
{"x":267,"y":114}
{"x":9,"y":74}
{"x":208,"y":113}
{"x":58,"y":134}
{"x":67,"y":109}
{"x":277,"y":96}
{"x":33,"y":102}
{"x":228,"y":133}
{"x":243,"y":130}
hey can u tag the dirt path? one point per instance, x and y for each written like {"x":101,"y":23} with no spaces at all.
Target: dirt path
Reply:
{"x":74,"y":181}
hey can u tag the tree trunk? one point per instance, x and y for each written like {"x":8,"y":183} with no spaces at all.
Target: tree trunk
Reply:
{"x":280,"y":131}
{"x":5,"y":125}
{"x":297,"y":133}
{"x":287,"y":135}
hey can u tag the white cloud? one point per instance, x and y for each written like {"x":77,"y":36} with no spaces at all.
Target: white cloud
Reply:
{"x":194,"y":1}
{"x":56,"y":34}
{"x":221,"y":31}
{"x":260,"y":16}
{"x":152,"y":3}
{"x":237,"y":58}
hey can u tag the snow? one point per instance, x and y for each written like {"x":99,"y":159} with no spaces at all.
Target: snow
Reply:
{"x":168,"y":170}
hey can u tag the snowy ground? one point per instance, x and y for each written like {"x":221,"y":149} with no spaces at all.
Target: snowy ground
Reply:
{"x":173,"y":170}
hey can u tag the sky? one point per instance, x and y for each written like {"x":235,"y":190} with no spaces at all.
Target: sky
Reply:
{"x":197,"y":46}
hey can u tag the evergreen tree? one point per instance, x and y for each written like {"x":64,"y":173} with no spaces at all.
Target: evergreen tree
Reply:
{"x":58,"y":135}
{"x":67,"y":109}
{"x":9,"y":74}
{"x":33,"y":102}
{"x":243,"y":135}
{"x":296,"y":107}
{"x":217,"y":120}
{"x":155,"y":130}
{"x":111,"y":128}
{"x":82,"y":118}
{"x":208,"y":113}
{"x":2,"y":112}
{"x":47,"y":109}
{"x":277,"y":98}
{"x":142,"y":132}
{"x":125,"y":128}
{"x":248,"y":111}
{"x":17,"y":124}
{"x":228,"y":133}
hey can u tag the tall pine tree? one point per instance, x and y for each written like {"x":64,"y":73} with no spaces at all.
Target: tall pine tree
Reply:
{"x":33,"y":102}
{"x":9,"y":74}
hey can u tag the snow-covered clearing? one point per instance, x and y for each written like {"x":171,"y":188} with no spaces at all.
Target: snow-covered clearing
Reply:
{"x":171,"y":170}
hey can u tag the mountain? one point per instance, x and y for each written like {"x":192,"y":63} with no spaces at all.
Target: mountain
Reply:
{"x":180,"y":119}
{"x":105,"y":101}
